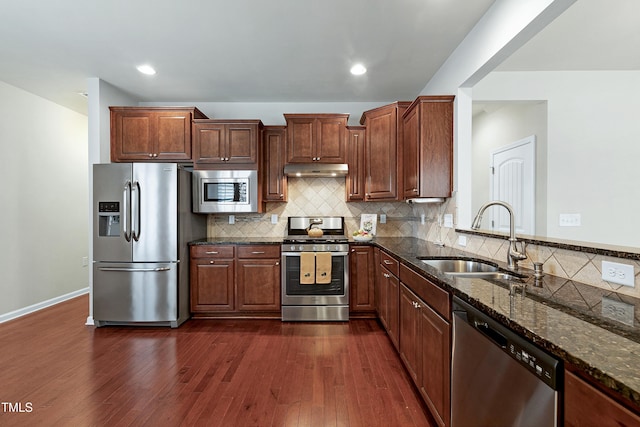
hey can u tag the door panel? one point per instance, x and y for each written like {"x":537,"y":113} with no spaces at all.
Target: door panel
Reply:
{"x":110,"y":185}
{"x":135,"y":292}
{"x":155,"y":212}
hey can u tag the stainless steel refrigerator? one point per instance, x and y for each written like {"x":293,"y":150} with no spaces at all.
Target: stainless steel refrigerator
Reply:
{"x":142,"y":222}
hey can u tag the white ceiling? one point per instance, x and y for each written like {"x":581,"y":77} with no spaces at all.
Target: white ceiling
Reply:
{"x":589,"y":35}
{"x":240,"y":50}
{"x":280,"y":50}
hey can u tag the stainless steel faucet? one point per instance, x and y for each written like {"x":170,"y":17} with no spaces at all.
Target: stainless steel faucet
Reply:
{"x":514,"y":255}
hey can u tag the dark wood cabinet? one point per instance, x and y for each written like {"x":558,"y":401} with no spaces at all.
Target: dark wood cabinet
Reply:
{"x":383,"y":151}
{"x":226,"y":144}
{"x":425,"y":340}
{"x":258,"y":278}
{"x":160,"y":134}
{"x":355,"y":180}
{"x":274,"y":180}
{"x":361,"y":281}
{"x":428,"y":147}
{"x":388,"y":294}
{"x":235,"y":280}
{"x":584,"y":405}
{"x":316,"y":138}
{"x":212,"y":278}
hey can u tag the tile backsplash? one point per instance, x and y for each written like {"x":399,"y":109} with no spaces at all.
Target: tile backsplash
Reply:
{"x":326,"y":197}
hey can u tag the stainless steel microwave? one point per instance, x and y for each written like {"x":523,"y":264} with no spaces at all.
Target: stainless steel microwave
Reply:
{"x":216,"y":191}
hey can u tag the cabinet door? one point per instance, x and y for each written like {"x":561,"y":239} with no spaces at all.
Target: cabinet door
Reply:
{"x":208,"y":143}
{"x":172,"y":135}
{"x":436,"y":148}
{"x":411,"y":159}
{"x":131,"y":138}
{"x":275,"y":182}
{"x":258,"y":285}
{"x":393,"y":309}
{"x":435,"y":355}
{"x":584,"y":405}
{"x":355,"y":159}
{"x":242,"y":143}
{"x":211,"y":285}
{"x":300,"y":139}
{"x":330,"y":140}
{"x":361,"y":291}
{"x":410,"y":332}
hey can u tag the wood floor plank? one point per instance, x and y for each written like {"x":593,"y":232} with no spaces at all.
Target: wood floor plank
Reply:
{"x":205,"y":373}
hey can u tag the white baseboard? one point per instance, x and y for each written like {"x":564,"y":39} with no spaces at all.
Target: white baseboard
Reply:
{"x":39,"y":306}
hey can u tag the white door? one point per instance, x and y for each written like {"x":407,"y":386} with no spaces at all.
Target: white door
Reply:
{"x":513,"y":181}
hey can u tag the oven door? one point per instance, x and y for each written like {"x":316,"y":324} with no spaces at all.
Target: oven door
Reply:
{"x":334,"y":293}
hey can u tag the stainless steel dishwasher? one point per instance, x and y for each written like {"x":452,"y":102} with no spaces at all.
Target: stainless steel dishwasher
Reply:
{"x":498,"y":378}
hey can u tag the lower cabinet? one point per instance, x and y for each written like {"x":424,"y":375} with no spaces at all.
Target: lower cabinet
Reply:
{"x":584,"y":405}
{"x":387,"y":294}
{"x":425,"y":343}
{"x":235,"y":280}
{"x":361,"y":281}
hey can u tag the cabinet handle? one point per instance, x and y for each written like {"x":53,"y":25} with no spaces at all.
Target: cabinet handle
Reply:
{"x":211,"y":253}
{"x":387,"y":262}
{"x":257,"y":252}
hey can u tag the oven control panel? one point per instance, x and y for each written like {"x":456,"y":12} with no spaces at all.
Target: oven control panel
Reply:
{"x":313,"y":247}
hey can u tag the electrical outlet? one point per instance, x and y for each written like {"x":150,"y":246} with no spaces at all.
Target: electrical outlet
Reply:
{"x":462,"y":240}
{"x":615,"y":272}
{"x":448,"y":220}
{"x":618,"y":311}
{"x":274,"y":218}
{"x":85,"y":261}
{"x":570,"y":220}
{"x":383,"y":218}
{"x":232,"y":219}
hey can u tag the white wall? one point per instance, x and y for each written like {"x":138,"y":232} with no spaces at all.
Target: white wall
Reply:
{"x":592,"y":151}
{"x":502,"y":124}
{"x":43,"y":171}
{"x":271,"y":113}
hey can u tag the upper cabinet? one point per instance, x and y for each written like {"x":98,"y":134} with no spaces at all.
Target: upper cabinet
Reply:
{"x":226,"y":144}
{"x":428,"y":147}
{"x":152,"y":133}
{"x":316,"y":138}
{"x":355,"y":159}
{"x":274,"y":180}
{"x":383,"y":151}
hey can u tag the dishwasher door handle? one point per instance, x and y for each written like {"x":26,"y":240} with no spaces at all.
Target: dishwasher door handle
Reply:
{"x":491,"y":333}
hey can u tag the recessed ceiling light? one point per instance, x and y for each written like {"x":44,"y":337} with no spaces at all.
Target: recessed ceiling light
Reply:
{"x":146,"y":69}
{"x":358,"y":70}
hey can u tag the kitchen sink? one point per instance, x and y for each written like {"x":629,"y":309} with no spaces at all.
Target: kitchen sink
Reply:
{"x":463,"y":267}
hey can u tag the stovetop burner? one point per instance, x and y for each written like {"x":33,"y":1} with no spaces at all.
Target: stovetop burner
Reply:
{"x":332,"y":240}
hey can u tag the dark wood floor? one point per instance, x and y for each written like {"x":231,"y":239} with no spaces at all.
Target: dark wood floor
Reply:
{"x":207,"y":372}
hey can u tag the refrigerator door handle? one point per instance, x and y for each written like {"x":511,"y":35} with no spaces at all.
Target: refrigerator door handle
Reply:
{"x":126,"y":200}
{"x":127,"y":269}
{"x":136,"y":218}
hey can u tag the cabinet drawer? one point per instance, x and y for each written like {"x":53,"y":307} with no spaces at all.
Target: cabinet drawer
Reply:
{"x":431,"y":293}
{"x":211,"y":251}
{"x":389,"y":263}
{"x":258,"y":251}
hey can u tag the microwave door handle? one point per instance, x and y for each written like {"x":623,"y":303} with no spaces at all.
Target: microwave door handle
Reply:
{"x":136,"y":218}
{"x":126,"y":200}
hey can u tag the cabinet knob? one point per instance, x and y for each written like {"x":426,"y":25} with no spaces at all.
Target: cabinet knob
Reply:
{"x":415,"y":190}
{"x":277,"y":263}
{"x":211,"y":262}
{"x":150,"y":154}
{"x":386,"y":275}
{"x":282,"y":196}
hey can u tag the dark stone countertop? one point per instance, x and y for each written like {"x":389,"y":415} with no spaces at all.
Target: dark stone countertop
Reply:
{"x":561,"y":316}
{"x":237,"y":241}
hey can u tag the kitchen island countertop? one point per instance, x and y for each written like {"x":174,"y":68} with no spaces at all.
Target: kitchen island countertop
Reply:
{"x":545,"y":313}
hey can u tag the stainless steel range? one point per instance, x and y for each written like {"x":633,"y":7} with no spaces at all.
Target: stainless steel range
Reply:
{"x":315,"y":270}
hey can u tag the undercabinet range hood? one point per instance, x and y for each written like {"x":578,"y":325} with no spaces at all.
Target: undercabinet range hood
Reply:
{"x":316,"y":169}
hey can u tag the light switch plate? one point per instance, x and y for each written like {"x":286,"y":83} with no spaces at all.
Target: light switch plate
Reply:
{"x":448,"y":220}
{"x":274,"y":218}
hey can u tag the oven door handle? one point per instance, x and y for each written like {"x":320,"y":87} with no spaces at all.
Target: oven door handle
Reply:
{"x":298,"y":253}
